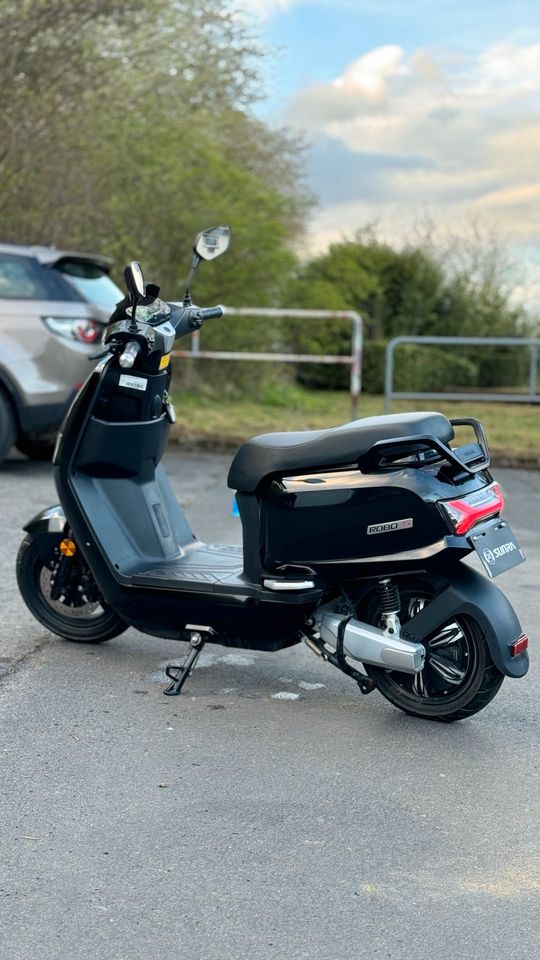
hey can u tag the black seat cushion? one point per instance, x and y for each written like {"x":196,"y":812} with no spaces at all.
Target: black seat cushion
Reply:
{"x":311,"y":449}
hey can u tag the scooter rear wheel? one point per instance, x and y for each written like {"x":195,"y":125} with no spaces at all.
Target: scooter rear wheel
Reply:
{"x":79,"y":614}
{"x":459,"y":677}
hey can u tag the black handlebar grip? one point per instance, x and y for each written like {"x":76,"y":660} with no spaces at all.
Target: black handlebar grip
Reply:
{"x":211,"y":313}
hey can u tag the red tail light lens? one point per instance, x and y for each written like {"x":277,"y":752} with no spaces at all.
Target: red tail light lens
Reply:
{"x":467,"y":511}
{"x":88,"y":331}
{"x":74,"y":328}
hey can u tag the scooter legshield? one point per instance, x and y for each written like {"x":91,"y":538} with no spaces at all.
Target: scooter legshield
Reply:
{"x":469,"y":593}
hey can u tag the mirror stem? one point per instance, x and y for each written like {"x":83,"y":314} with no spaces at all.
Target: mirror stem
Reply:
{"x":194,"y":264}
{"x":133,"y":325}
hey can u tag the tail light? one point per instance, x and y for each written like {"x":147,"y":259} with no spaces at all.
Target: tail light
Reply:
{"x":74,"y":328}
{"x":467,"y":511}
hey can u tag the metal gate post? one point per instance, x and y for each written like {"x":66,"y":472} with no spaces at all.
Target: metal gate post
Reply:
{"x":356,"y":366}
{"x":389,"y":374}
{"x":533,"y":371}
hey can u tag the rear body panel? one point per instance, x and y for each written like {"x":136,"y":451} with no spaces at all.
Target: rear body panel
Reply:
{"x":40,"y":370}
{"x":346,"y":523}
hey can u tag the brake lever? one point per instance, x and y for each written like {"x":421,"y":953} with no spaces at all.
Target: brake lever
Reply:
{"x":99,"y":356}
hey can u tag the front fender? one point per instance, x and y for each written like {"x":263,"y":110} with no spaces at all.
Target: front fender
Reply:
{"x":469,"y":593}
{"x":51,"y":520}
{"x":47,"y":528}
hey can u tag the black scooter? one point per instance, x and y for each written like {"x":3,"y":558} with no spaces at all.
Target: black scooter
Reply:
{"x":353,"y":537}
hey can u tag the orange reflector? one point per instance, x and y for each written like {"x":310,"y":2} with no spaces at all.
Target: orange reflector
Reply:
{"x":164,"y":362}
{"x":68,"y":548}
{"x":519,"y":646}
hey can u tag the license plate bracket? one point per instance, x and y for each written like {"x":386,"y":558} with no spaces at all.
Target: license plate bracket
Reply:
{"x":497,"y":547}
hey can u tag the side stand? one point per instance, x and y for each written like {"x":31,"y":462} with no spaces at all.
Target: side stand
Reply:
{"x":179,"y":675}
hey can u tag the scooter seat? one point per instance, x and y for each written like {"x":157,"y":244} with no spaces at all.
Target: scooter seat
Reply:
{"x":283,"y":453}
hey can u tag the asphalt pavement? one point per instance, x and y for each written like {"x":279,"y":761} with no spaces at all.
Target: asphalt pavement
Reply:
{"x":272,"y":811}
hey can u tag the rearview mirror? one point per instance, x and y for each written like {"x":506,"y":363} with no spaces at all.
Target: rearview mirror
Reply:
{"x":212,"y":243}
{"x":134,"y":281}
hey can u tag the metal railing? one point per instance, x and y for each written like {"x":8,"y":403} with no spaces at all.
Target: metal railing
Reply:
{"x":354,"y":360}
{"x":532,"y":396}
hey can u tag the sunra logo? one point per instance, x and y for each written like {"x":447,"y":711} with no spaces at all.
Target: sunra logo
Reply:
{"x":491,"y":556}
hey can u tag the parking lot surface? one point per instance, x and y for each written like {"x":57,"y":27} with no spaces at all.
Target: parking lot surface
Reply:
{"x":271,"y":811}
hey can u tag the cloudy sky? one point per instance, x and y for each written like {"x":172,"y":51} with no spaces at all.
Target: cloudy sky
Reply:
{"x":413,"y":108}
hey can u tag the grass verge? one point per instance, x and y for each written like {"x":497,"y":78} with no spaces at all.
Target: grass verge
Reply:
{"x":217,"y":423}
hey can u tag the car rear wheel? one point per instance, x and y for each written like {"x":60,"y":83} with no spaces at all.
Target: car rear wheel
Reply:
{"x":7,"y":427}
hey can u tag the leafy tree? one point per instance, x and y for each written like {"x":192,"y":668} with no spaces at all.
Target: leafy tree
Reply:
{"x":125,"y":127}
{"x":417,"y":290}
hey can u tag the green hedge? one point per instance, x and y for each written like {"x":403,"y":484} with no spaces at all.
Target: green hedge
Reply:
{"x":427,"y":368}
{"x":415,"y":368}
{"x":502,"y":366}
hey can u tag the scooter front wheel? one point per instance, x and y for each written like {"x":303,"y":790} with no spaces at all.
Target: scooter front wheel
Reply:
{"x":459,"y":677}
{"x":78,"y":614}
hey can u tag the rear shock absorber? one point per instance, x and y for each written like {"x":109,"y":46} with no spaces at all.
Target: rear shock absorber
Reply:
{"x":390,"y":606}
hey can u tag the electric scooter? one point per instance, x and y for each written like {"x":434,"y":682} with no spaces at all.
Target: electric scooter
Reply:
{"x":353,"y":537}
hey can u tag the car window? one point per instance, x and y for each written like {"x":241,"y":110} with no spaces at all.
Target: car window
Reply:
{"x":23,"y":278}
{"x":91,"y":281}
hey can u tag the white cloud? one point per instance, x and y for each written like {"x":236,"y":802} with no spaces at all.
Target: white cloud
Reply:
{"x":456,"y":136}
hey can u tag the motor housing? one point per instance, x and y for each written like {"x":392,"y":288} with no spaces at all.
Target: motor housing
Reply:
{"x":370,"y":644}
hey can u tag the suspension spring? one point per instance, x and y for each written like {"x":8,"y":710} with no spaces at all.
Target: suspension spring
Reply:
{"x":389,"y":596}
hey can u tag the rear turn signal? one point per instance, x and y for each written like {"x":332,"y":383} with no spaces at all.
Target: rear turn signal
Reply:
{"x":480,"y":505}
{"x":519,"y":646}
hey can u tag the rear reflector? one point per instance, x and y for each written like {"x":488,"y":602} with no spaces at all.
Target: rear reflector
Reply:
{"x":484,"y":503}
{"x":519,"y":646}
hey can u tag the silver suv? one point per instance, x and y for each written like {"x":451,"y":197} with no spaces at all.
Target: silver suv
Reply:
{"x":53,"y":307}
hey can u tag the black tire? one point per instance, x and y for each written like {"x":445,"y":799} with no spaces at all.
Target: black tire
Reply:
{"x":81,"y":620}
{"x":459,"y":677}
{"x":36,"y":448}
{"x":8,"y":426}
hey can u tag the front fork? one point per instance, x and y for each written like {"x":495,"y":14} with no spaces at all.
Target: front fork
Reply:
{"x":64,"y":569}
{"x":70,"y":577}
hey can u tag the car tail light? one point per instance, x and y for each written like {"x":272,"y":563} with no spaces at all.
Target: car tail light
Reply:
{"x":467,"y":511}
{"x":519,"y":646}
{"x":74,"y":328}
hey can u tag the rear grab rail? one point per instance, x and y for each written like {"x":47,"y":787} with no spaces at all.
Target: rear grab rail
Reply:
{"x":471,"y":457}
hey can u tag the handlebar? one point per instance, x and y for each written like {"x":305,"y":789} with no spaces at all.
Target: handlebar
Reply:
{"x":187,"y":319}
{"x":130,"y":354}
{"x":211,"y":313}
